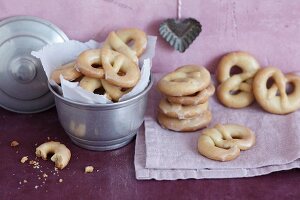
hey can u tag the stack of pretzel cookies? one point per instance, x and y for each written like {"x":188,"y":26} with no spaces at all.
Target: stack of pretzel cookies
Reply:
{"x":268,"y":85}
{"x":184,"y":106}
{"x":111,"y":70}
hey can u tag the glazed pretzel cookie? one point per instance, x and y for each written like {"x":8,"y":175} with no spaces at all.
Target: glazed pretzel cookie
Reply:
{"x":185,"y":80}
{"x":224,"y":142}
{"x":86,"y":62}
{"x":61,"y":154}
{"x":185,"y":125}
{"x":194,"y":99}
{"x":120,"y":41}
{"x":93,"y":84}
{"x":114,"y":92}
{"x":90,"y":84}
{"x":275,"y":98}
{"x":181,"y":112}
{"x":68,"y":71}
{"x":119,"y":70}
{"x":236,"y":91}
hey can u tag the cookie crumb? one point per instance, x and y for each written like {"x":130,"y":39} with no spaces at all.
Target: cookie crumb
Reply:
{"x":24,"y":159}
{"x":14,"y":143}
{"x":89,"y":169}
{"x":60,"y":180}
{"x":25,"y":181}
{"x":35,"y":164}
{"x":48,"y":138}
{"x":45,"y":175}
{"x":36,"y":187}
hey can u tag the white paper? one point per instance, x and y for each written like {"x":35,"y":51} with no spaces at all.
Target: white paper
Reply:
{"x":58,"y":54}
{"x":73,"y":91}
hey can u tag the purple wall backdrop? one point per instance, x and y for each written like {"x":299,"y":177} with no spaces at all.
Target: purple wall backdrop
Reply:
{"x":269,"y":29}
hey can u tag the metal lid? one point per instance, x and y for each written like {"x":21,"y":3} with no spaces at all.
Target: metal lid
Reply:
{"x":23,"y":82}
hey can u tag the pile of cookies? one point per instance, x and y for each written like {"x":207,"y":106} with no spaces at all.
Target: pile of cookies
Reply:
{"x":185,"y":106}
{"x":111,"y":70}
{"x":274,"y":91}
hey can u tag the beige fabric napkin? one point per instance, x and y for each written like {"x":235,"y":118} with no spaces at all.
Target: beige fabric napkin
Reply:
{"x":166,"y":155}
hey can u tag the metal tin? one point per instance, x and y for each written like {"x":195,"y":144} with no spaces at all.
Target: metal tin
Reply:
{"x":180,"y":33}
{"x":23,"y":82}
{"x":104,"y":126}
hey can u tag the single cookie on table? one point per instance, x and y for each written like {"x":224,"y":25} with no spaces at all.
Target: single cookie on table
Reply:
{"x":235,"y":91}
{"x":224,"y":142}
{"x":184,"y":81}
{"x":61,"y":154}
{"x":275,"y":98}
{"x":185,"y":125}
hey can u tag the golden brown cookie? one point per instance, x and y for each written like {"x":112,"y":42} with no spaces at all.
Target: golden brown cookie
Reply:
{"x":224,"y":142}
{"x":192,"y":124}
{"x":274,"y":98}
{"x":235,"y":91}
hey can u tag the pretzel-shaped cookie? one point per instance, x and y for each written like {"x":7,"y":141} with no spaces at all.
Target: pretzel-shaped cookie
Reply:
{"x":275,"y":99}
{"x":185,"y":80}
{"x":224,"y":142}
{"x":181,"y":112}
{"x":68,"y":71}
{"x":61,"y":154}
{"x":87,"y":60}
{"x":114,"y":92}
{"x":185,"y":125}
{"x":120,"y":42}
{"x":92,"y":84}
{"x":194,"y":99}
{"x":119,"y":70}
{"x":236,"y":91}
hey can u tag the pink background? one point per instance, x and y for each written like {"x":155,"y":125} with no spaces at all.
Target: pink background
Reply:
{"x":268,"y":29}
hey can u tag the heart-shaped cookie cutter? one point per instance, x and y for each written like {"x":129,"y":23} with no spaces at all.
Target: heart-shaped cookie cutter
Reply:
{"x":180,"y":33}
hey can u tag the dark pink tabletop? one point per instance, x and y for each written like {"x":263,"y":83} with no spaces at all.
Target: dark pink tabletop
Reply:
{"x":113,"y":176}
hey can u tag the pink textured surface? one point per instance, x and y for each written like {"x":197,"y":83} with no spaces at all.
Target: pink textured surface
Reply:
{"x":268,"y":29}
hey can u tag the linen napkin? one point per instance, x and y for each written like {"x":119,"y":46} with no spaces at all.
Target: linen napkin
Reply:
{"x":167,"y":155}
